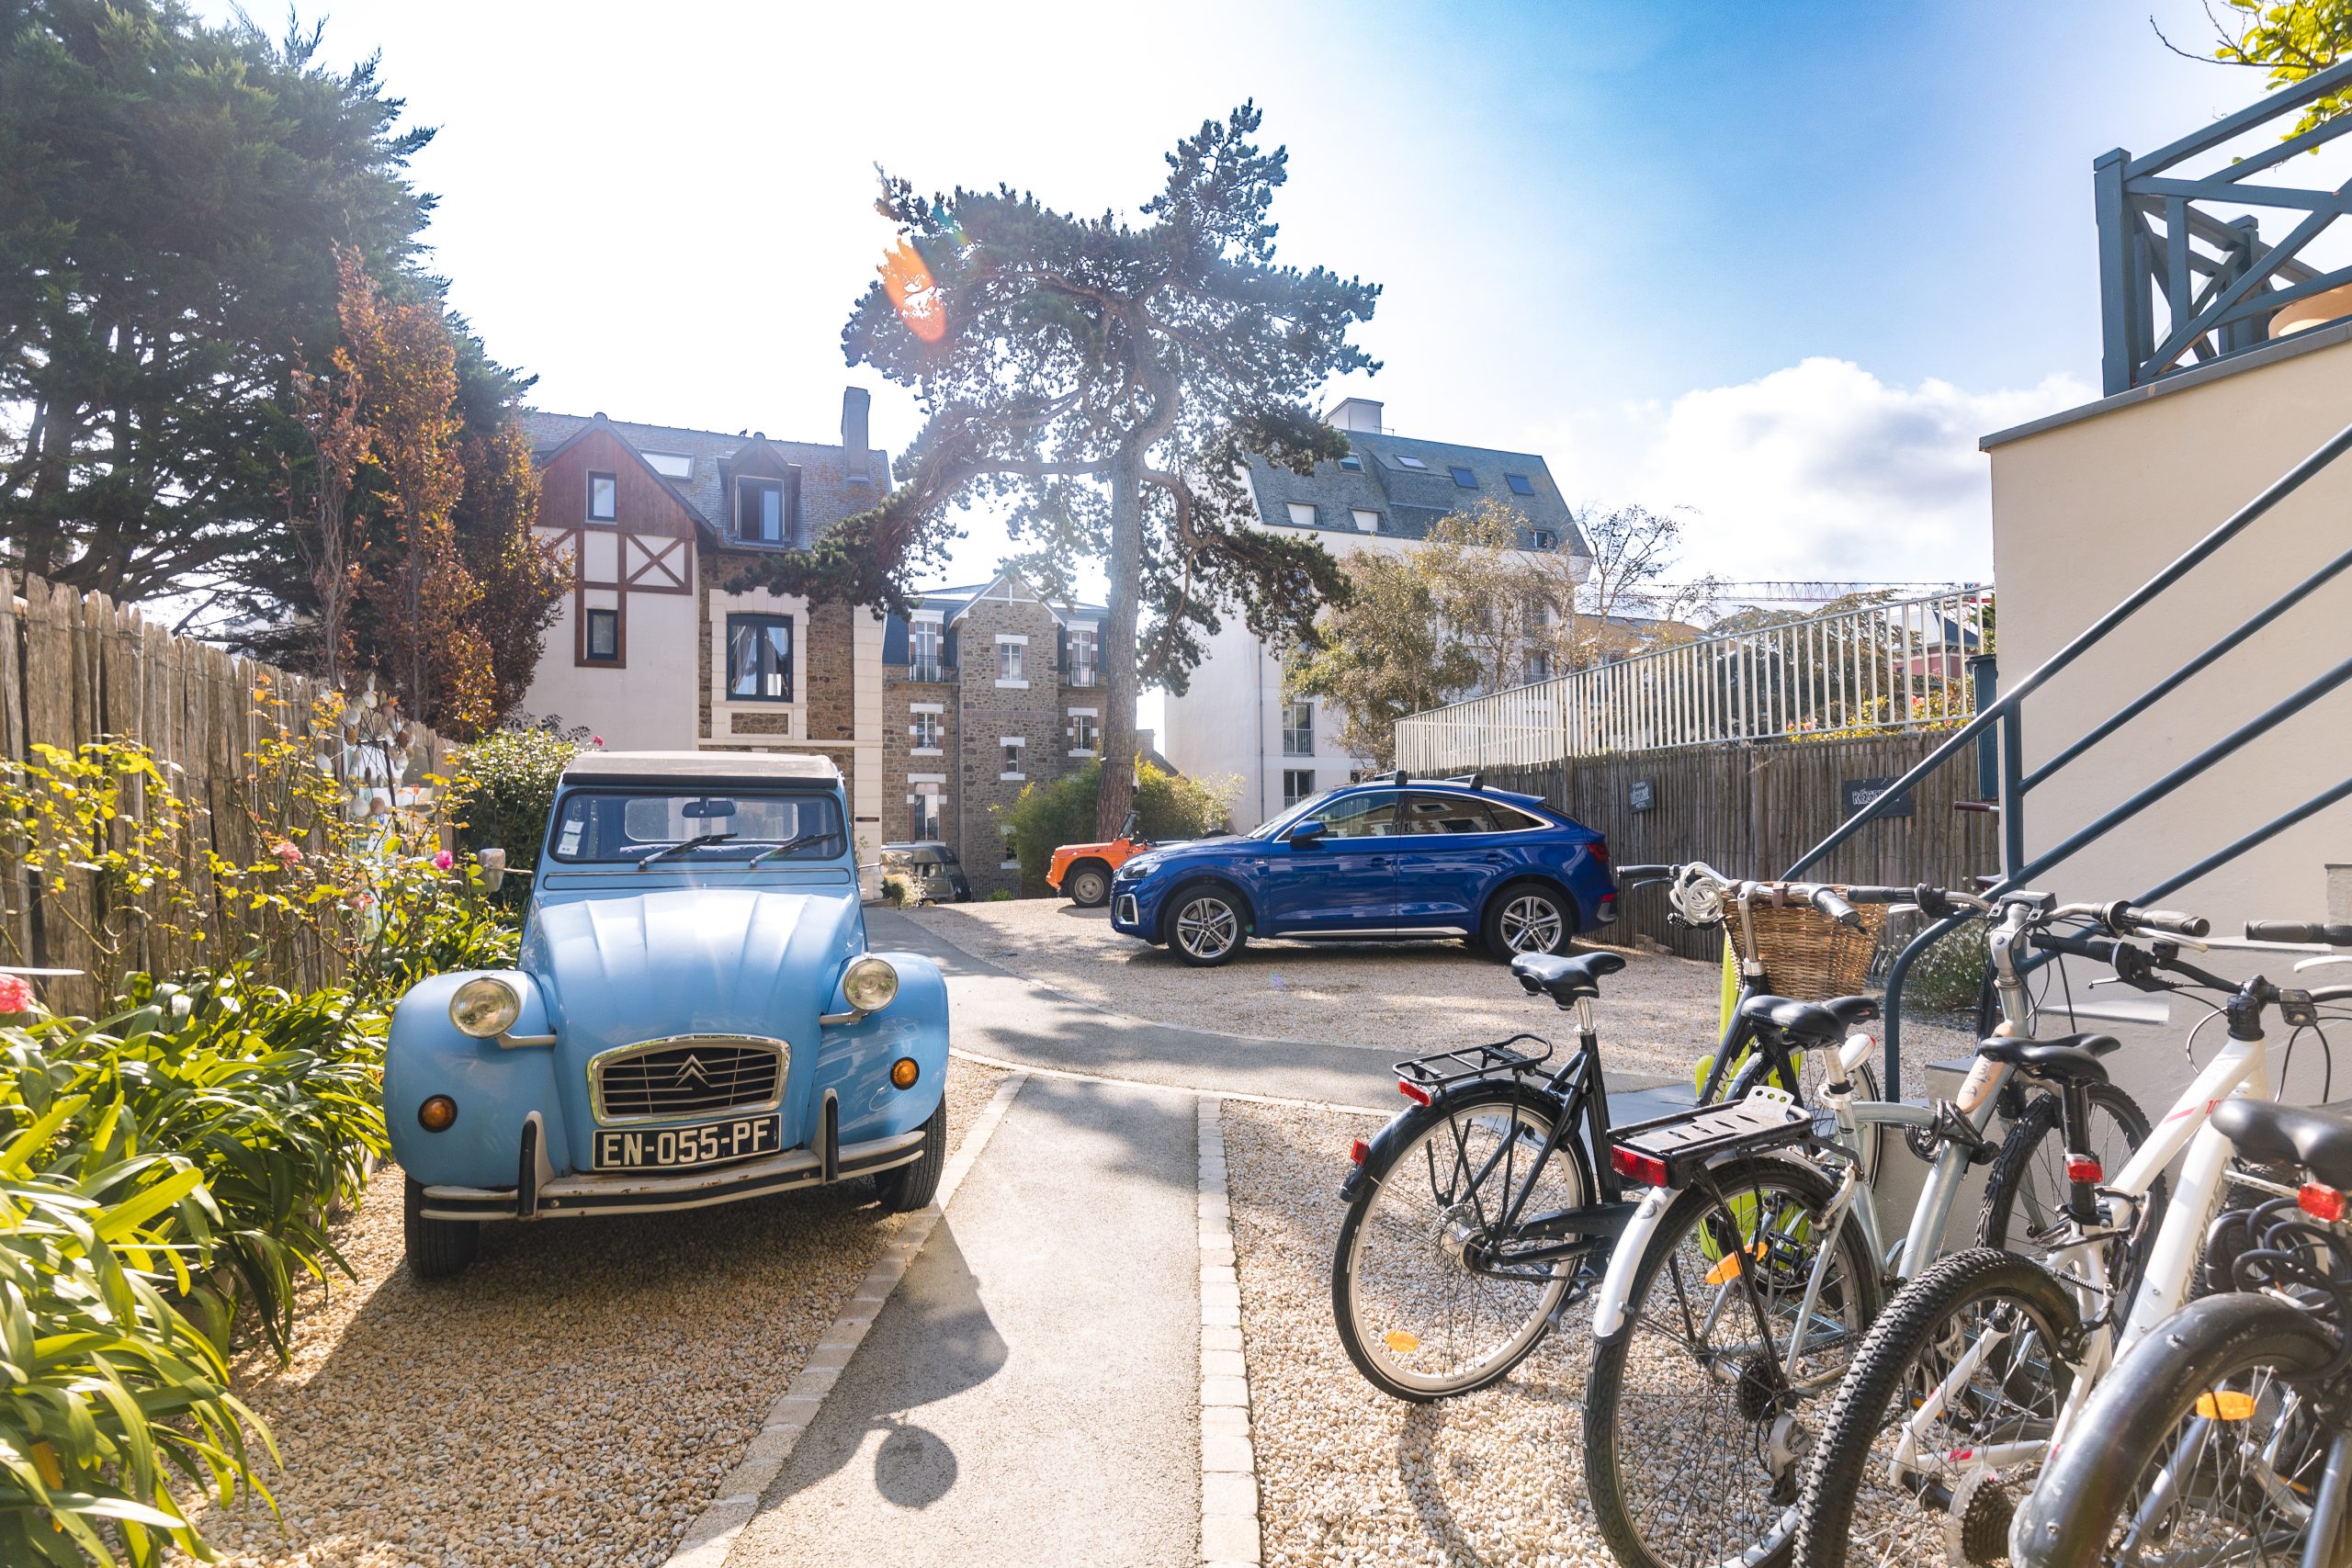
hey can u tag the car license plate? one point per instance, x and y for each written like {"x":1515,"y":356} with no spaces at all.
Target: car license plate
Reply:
{"x":682,"y":1148}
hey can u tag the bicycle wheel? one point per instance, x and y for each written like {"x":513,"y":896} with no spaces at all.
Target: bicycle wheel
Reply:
{"x":1424,"y":1304}
{"x":1964,"y":1360}
{"x":2203,"y":1446}
{"x":2025,"y":1192}
{"x":1693,"y":1419}
{"x":1815,"y":1068}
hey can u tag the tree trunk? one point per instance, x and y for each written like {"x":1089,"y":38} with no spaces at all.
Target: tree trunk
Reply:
{"x":1118,"y":791}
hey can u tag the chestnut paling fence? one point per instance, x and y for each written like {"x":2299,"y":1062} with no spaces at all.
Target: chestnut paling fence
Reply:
{"x":228,"y":736}
{"x":1879,"y":669}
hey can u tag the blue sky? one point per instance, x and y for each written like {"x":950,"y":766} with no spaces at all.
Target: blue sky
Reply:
{"x":1779,"y":263}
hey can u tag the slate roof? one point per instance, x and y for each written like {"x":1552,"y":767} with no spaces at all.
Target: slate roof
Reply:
{"x":828,"y":494}
{"x":1409,"y":500}
{"x":956,"y":601}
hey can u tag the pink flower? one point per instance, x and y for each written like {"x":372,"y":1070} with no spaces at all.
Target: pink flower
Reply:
{"x":443,"y":861}
{"x":595,"y":740}
{"x":361,"y":900}
{"x":15,"y":994}
{"x":287,"y":853}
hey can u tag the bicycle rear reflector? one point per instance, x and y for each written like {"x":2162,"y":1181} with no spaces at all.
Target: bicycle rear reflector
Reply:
{"x":1413,"y":1092}
{"x":1635,"y":1165}
{"x":1403,"y":1344}
{"x":2226,"y":1405}
{"x":2319,"y":1202}
{"x":2082,"y":1167}
{"x":1357,"y":1150}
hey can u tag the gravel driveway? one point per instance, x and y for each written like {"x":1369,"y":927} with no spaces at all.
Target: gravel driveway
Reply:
{"x":574,"y":1397}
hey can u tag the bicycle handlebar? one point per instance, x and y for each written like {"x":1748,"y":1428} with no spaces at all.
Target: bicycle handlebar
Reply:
{"x":2123,"y":918}
{"x":2300,"y":931}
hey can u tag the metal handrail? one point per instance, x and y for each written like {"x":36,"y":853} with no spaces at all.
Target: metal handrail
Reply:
{"x":2015,"y":783}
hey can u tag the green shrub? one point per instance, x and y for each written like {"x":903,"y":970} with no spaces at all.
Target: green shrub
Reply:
{"x":1948,"y":976}
{"x":430,"y":918}
{"x":894,"y":890}
{"x":507,"y":785}
{"x":1045,"y":817}
{"x":1001,"y":896}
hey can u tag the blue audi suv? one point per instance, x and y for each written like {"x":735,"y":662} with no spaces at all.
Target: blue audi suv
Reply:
{"x":1394,"y":857}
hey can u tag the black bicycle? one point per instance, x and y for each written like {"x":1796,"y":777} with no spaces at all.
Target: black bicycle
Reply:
{"x":1485,"y":1208}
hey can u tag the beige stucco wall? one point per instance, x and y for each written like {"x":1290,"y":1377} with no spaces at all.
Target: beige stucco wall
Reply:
{"x":646,"y":705}
{"x":2085,"y":512}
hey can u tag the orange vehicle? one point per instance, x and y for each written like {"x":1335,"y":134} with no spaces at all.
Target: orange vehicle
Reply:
{"x":1083,"y":871}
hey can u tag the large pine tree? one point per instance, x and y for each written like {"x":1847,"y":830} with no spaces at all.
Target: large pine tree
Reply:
{"x":1107,"y":379}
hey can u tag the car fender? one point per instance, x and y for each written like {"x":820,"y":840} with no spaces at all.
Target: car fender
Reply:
{"x":1531,"y":870}
{"x":496,"y":1088}
{"x":1624,"y":1257}
{"x":854,"y":1058}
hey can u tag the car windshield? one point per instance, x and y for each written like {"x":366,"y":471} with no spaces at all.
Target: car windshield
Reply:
{"x":695,"y":826}
{"x":1273,"y":827}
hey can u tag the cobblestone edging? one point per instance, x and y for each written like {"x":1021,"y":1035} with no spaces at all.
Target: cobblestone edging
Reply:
{"x":712,"y":1536}
{"x":1228,"y":1465}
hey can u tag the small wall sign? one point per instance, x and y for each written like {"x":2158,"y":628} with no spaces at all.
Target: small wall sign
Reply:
{"x":1642,"y":795}
{"x":1862,"y":792}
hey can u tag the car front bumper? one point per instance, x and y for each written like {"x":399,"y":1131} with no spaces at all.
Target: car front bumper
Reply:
{"x":652,"y":1194}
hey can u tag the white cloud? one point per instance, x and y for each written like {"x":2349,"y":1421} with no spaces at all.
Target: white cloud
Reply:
{"x":1823,"y":471}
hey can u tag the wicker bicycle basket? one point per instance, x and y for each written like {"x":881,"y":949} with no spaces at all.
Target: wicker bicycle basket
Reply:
{"x":1806,"y":954}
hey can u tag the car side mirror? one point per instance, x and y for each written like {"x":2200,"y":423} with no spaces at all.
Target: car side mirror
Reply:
{"x":1305,"y":834}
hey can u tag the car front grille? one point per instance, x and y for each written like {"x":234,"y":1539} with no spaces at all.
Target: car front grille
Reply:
{"x":1126,"y":910}
{"x":688,"y":1077}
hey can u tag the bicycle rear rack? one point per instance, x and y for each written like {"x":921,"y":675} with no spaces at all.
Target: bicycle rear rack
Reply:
{"x":1441,"y":1070}
{"x":1685,"y":1140}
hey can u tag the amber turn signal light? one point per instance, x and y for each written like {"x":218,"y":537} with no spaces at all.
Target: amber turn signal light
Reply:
{"x":903,"y":1072}
{"x":436,"y":1113}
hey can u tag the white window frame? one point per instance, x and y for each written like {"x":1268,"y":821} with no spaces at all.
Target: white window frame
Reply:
{"x":1092,"y":716}
{"x":1013,"y":743}
{"x":1297,"y":507}
{"x":1366,"y":522}
{"x":1006,"y":682}
{"x":916,"y":713}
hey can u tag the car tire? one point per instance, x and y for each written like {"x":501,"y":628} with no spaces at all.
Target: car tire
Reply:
{"x":905,"y":1187}
{"x":1205,"y":926}
{"x":1529,"y":916}
{"x":1087,"y":883}
{"x":437,"y":1248}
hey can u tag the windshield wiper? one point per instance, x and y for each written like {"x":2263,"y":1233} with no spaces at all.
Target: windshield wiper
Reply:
{"x":789,"y":844}
{"x":700,"y":841}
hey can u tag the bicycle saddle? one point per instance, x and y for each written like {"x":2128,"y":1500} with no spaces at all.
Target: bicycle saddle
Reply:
{"x":1809,"y":1024}
{"x":2069,"y":1057}
{"x":1562,"y":978}
{"x":2316,"y":1137}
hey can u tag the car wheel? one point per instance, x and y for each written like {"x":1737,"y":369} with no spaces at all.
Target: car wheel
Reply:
{"x":1088,"y":885}
{"x":1529,"y":919}
{"x":905,"y":1187}
{"x":435,"y":1248}
{"x":1204,"y":927}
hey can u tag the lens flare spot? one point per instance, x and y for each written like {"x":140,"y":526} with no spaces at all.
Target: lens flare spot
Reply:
{"x":1403,"y":1344}
{"x":913,"y":293}
{"x":2226,"y":1405}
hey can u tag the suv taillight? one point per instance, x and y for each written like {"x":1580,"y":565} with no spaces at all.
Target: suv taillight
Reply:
{"x":1600,"y":848}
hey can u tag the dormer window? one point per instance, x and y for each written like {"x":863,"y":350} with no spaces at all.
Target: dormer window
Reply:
{"x":1464,"y":478}
{"x":1407,"y":461}
{"x":1520,"y":484}
{"x":604,"y":498}
{"x":759,"y":512}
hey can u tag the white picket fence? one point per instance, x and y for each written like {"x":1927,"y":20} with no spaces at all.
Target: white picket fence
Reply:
{"x":1881,"y":669}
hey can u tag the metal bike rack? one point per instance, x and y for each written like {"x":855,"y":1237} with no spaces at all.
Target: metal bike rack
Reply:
{"x":2002,"y":717}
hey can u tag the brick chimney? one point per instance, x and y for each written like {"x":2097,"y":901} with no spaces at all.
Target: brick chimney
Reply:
{"x":855,"y":400}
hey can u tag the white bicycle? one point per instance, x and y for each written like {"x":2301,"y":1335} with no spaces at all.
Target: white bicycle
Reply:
{"x":1961,"y":1388}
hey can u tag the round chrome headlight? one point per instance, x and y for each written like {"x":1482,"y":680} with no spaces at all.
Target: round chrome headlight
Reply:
{"x":870,"y":984}
{"x":484,"y":1007}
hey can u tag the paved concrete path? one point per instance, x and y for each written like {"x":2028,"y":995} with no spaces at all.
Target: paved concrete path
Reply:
{"x":1030,"y":1393}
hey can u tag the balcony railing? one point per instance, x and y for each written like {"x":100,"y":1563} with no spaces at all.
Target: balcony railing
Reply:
{"x":1081,"y":675}
{"x":926,"y":672}
{"x":2192,"y":243}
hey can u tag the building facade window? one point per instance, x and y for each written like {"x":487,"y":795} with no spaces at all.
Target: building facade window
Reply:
{"x":1085,"y":645}
{"x":1301,"y":514}
{"x":759,"y":511}
{"x":1367,"y":521}
{"x":925,"y":812}
{"x":923,"y":732}
{"x":1520,"y":484}
{"x":1298,"y":729}
{"x":604,"y":498}
{"x":1012,"y":746}
{"x":1297,"y":784}
{"x":1084,"y":732}
{"x":924,"y":642}
{"x":759,"y":658}
{"x":602,"y":643}
{"x":1012,"y":662}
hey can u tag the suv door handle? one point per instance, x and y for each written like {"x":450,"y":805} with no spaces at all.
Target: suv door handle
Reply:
{"x":1495,"y":857}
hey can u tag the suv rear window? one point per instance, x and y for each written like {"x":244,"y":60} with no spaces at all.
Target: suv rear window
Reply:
{"x":1463,"y":813}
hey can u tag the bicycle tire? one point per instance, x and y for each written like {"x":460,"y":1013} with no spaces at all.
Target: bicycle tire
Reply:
{"x":2128,"y":1421}
{"x":1348,"y":1306}
{"x":1842,"y":1462}
{"x":2005,"y":1185}
{"x":1606,"y":1452}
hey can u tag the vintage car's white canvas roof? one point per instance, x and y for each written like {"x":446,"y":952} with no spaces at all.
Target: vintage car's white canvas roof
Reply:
{"x":748,"y":767}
